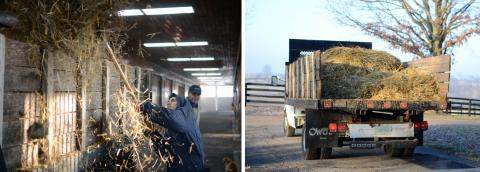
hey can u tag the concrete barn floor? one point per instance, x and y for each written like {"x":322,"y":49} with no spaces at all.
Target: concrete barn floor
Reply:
{"x":218,"y":139}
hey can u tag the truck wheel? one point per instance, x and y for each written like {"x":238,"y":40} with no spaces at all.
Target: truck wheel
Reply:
{"x":392,"y":151}
{"x":325,"y":153}
{"x":287,"y":129}
{"x":408,"y":152}
{"x":308,"y":152}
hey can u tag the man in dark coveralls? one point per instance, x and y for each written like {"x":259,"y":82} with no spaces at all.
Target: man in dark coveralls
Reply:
{"x":183,"y":132}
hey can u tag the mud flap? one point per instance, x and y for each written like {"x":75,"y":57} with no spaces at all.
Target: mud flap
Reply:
{"x":418,"y":133}
{"x":316,"y":128}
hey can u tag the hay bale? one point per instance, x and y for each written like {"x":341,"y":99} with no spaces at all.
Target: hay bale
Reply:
{"x":357,"y":73}
{"x":367,"y":59}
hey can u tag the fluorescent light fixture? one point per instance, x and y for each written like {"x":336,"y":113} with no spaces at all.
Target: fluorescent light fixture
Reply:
{"x":199,"y":43}
{"x":218,"y":83}
{"x":210,"y":69}
{"x":201,"y":58}
{"x":166,"y":44}
{"x":206,"y":74}
{"x":209,"y":78}
{"x":173,"y":44}
{"x":190,"y":59}
{"x":178,"y":59}
{"x":200,"y":69}
{"x":213,"y":74}
{"x":192,"y":69}
{"x":131,"y":12}
{"x":198,"y":74}
{"x":166,"y":11}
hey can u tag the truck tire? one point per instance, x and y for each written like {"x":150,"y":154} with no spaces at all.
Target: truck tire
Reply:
{"x":309,"y":153}
{"x":408,"y":152}
{"x":392,"y":151}
{"x":287,"y":129}
{"x":325,"y":153}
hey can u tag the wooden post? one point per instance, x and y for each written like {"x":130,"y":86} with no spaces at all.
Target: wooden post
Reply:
{"x":312,"y":74}
{"x":297,"y":79}
{"x":286,"y":79}
{"x":106,"y":96}
{"x":292,"y":84}
{"x":301,"y":77}
{"x":2,"y":84}
{"x":47,"y":81}
{"x":317,"y":56}
{"x":307,"y":77}
{"x":469,"y":107}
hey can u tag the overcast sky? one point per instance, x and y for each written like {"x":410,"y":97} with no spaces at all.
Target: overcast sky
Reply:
{"x":270,"y":23}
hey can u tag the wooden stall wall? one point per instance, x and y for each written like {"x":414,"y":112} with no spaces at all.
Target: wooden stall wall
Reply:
{"x":21,"y":106}
{"x":52,"y":116}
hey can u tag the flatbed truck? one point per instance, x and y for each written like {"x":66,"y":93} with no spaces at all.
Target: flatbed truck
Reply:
{"x":397,"y":126}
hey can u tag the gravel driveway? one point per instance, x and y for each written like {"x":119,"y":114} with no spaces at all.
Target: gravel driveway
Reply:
{"x":456,"y":135}
{"x":267,"y":149}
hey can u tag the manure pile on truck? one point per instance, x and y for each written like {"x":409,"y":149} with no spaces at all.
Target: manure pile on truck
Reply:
{"x":357,"y":73}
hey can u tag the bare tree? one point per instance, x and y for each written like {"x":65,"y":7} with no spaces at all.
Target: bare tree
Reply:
{"x":267,"y":71}
{"x":421,"y":27}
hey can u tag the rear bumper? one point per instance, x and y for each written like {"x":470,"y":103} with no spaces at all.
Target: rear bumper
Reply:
{"x":381,"y":130}
{"x":376,"y":144}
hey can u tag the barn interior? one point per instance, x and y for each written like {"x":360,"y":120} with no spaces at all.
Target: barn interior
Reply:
{"x":73,"y":73}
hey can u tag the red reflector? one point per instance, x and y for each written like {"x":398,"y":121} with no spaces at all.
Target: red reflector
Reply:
{"x":424,"y":125}
{"x":417,"y":125}
{"x":370,"y":105}
{"x":386,"y":105}
{"x":327,"y":104}
{"x":332,"y":127}
{"x":403,"y":105}
{"x":342,"y":127}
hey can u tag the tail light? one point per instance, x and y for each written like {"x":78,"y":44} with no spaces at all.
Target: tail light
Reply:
{"x":403,"y":105}
{"x":332,"y":127}
{"x":422,"y":125}
{"x":341,"y":128}
{"x":386,"y":105}
{"x":327,"y":104}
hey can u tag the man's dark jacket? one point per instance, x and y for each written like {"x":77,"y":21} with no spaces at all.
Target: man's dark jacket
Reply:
{"x":183,"y":131}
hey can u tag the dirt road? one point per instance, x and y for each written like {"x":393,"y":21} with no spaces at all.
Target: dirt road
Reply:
{"x":267,"y":149}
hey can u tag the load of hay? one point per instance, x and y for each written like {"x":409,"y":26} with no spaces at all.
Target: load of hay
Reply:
{"x":357,"y":73}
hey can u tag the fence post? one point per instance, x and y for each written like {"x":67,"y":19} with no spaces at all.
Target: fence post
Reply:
{"x":469,"y":107}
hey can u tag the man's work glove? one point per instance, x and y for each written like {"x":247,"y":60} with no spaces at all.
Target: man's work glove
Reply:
{"x":146,"y":108}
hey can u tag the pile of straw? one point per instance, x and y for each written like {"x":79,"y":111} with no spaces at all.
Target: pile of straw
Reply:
{"x":357,"y":73}
{"x":408,"y":84}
